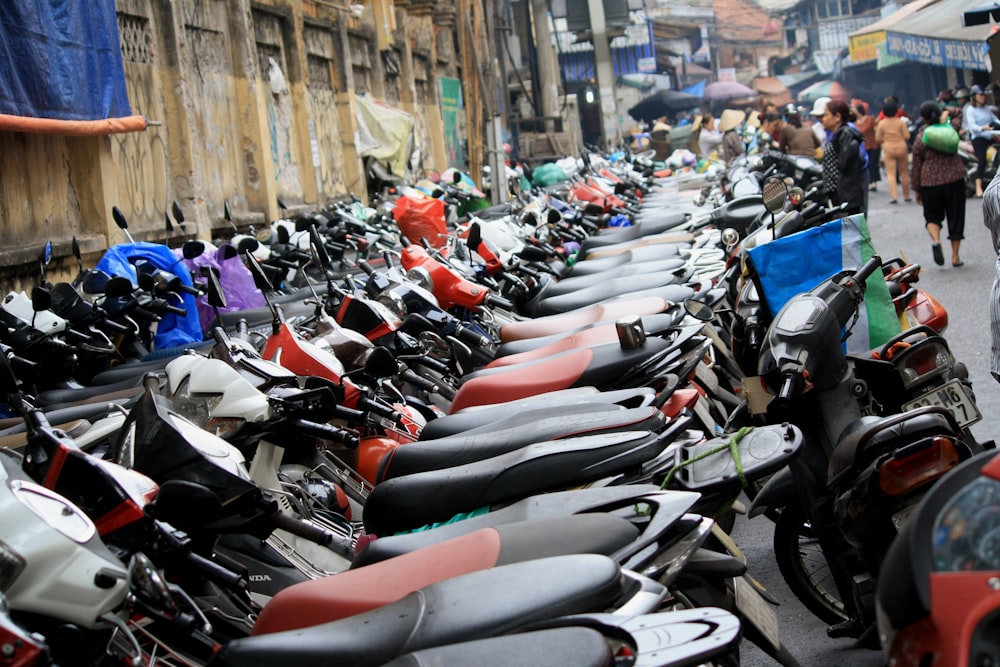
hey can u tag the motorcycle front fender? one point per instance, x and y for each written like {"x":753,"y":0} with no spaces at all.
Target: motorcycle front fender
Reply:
{"x":777,"y":492}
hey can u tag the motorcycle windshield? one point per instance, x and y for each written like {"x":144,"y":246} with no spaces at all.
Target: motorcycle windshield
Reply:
{"x":966,"y":534}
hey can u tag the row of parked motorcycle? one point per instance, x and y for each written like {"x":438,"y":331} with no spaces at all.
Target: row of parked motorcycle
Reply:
{"x":428,"y":431}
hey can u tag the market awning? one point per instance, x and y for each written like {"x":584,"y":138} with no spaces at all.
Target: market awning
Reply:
{"x":935,"y":35}
{"x":62,"y":69}
{"x":772,"y":90}
{"x":863,"y":43}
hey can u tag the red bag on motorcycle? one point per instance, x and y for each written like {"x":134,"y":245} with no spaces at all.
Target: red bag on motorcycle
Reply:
{"x":420,"y":218}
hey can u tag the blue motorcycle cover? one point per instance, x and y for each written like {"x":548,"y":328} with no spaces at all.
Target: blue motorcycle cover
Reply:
{"x":172,"y":330}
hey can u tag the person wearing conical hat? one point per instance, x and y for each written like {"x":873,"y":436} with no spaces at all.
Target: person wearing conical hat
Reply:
{"x":732,"y":142}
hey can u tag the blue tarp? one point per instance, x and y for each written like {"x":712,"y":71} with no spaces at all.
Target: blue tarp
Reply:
{"x":61,"y":59}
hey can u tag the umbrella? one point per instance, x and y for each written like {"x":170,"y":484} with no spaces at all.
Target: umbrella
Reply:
{"x":728,"y":90}
{"x":835,"y":90}
{"x":662,"y":103}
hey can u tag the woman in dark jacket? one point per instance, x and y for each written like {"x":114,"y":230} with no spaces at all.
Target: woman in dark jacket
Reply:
{"x":845,"y":173}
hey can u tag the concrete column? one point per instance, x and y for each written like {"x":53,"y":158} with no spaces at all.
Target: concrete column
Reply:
{"x":548,"y":62}
{"x":605,"y":72}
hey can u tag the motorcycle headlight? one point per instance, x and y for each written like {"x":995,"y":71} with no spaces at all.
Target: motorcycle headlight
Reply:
{"x":11,"y":566}
{"x":196,"y":408}
{"x":421,"y":277}
{"x":966,"y":533}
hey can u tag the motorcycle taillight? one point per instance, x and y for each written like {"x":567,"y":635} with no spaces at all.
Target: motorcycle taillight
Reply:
{"x":923,"y":361}
{"x":917,"y":464}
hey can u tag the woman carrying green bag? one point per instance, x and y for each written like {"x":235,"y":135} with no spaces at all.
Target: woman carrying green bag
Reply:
{"x":938,"y":179}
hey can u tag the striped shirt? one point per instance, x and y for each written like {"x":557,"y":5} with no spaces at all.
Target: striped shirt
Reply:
{"x":991,"y":217}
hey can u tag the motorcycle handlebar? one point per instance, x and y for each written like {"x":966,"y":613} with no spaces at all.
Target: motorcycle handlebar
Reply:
{"x":326,"y":432}
{"x":214,"y":571}
{"x":868,"y":268}
{"x":377,"y":408}
{"x":303,"y":529}
{"x":499,"y":302}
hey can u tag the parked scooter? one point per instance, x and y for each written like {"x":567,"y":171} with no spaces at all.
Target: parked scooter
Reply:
{"x":937,"y":596}
{"x":857,"y":477}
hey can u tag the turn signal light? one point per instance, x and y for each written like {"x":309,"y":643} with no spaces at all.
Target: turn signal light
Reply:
{"x":913,"y":466}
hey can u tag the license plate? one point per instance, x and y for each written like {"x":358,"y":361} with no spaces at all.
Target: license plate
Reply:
{"x":757,"y":611}
{"x":954,"y":397}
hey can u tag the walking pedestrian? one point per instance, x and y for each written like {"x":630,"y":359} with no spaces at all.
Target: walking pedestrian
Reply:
{"x":991,"y":218}
{"x":866,"y":125}
{"x":893,"y":133}
{"x":938,"y":179}
{"x":845,"y":172}
{"x":977,"y":120}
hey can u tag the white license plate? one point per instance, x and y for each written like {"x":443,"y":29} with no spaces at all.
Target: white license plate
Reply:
{"x":952,"y":396}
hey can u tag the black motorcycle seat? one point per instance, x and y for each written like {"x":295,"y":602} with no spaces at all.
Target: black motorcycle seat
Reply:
{"x":365,"y":587}
{"x":869,"y":439}
{"x":667,"y":238}
{"x":597,"y":366}
{"x":541,"y":506}
{"x":53,"y":397}
{"x":648,"y":253}
{"x":647,"y":227}
{"x":515,"y":432}
{"x":577,"y":646}
{"x":573,"y":283}
{"x":593,"y":533}
{"x":473,"y":606}
{"x":406,"y":503}
{"x":651,"y":323}
{"x":483,"y":416}
{"x":129,"y":371}
{"x":609,"y":289}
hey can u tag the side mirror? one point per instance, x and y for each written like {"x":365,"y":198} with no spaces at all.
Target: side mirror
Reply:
{"x":216,"y":295}
{"x":698,"y":310}
{"x":381,"y":363}
{"x":774,"y":192}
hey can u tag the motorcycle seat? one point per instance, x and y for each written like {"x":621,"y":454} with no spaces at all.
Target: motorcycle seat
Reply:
{"x":574,"y":283}
{"x":545,"y":326}
{"x":366,"y":587}
{"x":672,"y":505}
{"x":655,"y":239}
{"x":663,"y":223}
{"x":483,"y":416}
{"x":52,"y":397}
{"x":573,"y":645}
{"x":589,"y":336}
{"x":610,"y":289}
{"x":859,"y":447}
{"x":442,"y":613}
{"x":644,"y":254}
{"x":406,"y":503}
{"x":596,"y":366}
{"x":516,"y":432}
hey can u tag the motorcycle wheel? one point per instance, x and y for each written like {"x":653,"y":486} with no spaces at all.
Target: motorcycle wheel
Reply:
{"x":804,"y":568}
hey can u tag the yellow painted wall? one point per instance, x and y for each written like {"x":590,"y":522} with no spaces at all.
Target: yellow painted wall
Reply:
{"x":218,"y":133}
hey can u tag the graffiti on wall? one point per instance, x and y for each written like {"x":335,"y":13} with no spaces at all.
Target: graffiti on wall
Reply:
{"x":141,"y":157}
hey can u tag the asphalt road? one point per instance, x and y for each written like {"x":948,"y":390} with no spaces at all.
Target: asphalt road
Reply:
{"x":897,"y":230}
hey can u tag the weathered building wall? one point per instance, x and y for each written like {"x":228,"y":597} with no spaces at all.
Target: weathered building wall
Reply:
{"x":250,"y":102}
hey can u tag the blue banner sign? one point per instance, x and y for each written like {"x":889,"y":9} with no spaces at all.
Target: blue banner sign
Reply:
{"x":943,"y":52}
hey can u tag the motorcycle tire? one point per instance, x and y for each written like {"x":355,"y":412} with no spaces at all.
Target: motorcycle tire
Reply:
{"x":804,"y":568}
